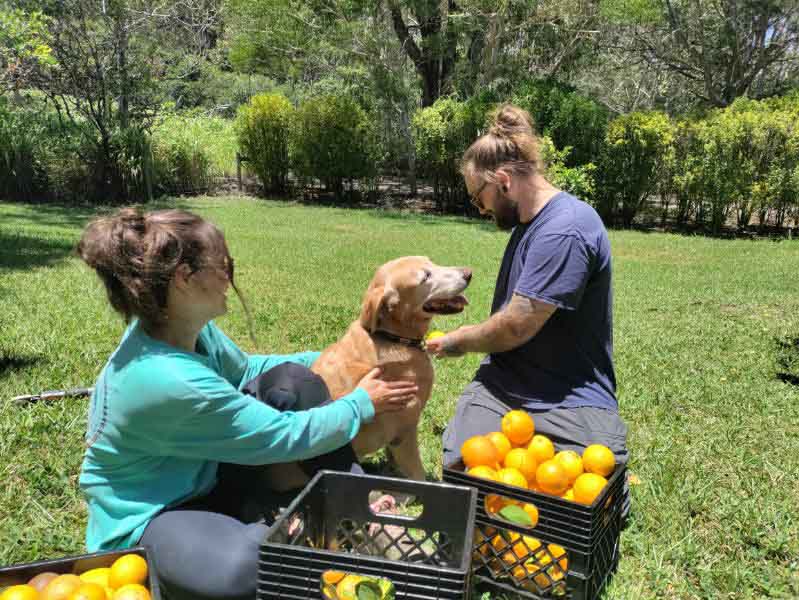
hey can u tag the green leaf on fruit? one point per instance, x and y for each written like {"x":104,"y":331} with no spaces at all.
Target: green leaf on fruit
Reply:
{"x":368,"y":590}
{"x":516,"y":515}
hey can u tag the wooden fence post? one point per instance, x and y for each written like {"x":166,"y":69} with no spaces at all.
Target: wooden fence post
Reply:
{"x":238,"y":170}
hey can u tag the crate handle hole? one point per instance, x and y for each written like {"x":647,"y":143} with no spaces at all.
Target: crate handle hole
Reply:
{"x":512,"y":511}
{"x":341,"y":585}
{"x":394,"y":504}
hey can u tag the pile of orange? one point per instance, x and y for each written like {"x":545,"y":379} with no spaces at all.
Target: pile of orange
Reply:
{"x":125,"y":579}
{"x":519,"y":457}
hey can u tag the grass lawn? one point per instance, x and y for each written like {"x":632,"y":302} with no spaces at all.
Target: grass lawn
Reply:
{"x":714,"y":433}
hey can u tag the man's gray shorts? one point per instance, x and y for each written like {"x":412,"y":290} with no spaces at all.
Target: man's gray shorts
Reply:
{"x":479,"y":412}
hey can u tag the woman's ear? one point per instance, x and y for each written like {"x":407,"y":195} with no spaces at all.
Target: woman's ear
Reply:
{"x":182,"y":275}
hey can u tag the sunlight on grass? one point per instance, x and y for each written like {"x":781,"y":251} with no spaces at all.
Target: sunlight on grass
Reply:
{"x":713,"y":431}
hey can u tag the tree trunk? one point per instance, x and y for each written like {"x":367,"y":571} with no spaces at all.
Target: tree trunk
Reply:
{"x":435,"y":60}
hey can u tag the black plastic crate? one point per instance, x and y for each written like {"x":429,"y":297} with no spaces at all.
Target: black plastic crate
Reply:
{"x":75,"y":565}
{"x":585,"y":539}
{"x":330,"y":526}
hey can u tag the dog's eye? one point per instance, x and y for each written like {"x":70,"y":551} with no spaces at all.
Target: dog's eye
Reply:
{"x":426,"y":275}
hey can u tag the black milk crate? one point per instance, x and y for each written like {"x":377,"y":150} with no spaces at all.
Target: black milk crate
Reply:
{"x":75,"y":565}
{"x":588,"y":536}
{"x":330,"y":526}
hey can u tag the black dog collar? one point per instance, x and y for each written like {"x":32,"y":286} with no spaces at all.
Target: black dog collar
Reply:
{"x":411,"y":342}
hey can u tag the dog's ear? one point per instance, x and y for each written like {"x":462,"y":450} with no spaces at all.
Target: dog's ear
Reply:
{"x":378,"y":300}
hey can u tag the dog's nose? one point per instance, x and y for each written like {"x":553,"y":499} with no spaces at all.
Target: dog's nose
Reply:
{"x":467,"y":274}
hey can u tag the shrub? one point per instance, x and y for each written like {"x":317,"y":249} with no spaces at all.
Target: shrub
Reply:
{"x":334,"y":141}
{"x":635,"y":145}
{"x":191,"y":151}
{"x":22,"y":174}
{"x":578,"y":181}
{"x":568,"y":117}
{"x":442,"y":133}
{"x":263,"y":127}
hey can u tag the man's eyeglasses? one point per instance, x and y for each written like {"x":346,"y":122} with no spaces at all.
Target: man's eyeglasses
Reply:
{"x":476,"y":202}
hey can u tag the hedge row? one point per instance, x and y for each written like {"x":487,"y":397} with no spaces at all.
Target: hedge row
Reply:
{"x":729,"y":166}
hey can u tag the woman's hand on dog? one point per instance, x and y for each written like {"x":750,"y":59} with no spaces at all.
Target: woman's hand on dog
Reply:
{"x":387,"y":396}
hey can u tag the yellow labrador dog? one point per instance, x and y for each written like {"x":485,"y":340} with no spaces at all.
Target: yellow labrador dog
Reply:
{"x":401,"y":300}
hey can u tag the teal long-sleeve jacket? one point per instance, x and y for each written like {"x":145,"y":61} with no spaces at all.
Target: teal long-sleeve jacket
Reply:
{"x":161,"y":419}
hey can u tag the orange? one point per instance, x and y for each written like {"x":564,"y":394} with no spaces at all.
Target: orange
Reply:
{"x":518,"y":427}
{"x":332,"y":577}
{"x":571,"y":463}
{"x":552,"y":478}
{"x":494,"y":503}
{"x":20,"y":592}
{"x":542,"y":448}
{"x":559,"y":554}
{"x":532,"y":512}
{"x":501,"y":443}
{"x":587,"y":487}
{"x":478,"y":450}
{"x":483,"y":472}
{"x":522,"y":460}
{"x":569,"y":495}
{"x":131,"y":591}
{"x":60,"y":588}
{"x":99,"y":576}
{"x":550,"y":573}
{"x":510,"y":476}
{"x":598,"y":459}
{"x":89,"y":591}
{"x":41,"y":580}
{"x":129,"y":568}
{"x":520,"y":546}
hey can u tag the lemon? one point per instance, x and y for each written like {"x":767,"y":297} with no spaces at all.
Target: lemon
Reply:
{"x":434,"y":334}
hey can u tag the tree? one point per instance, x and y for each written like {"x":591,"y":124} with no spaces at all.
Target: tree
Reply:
{"x":433,"y":50}
{"x":100,"y":78}
{"x":720,"y":49}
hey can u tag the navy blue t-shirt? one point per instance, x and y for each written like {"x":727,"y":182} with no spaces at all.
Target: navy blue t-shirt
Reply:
{"x":561,"y":257}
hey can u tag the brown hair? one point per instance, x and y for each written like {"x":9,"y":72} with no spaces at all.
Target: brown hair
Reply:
{"x":136,"y":255}
{"x":510,"y":144}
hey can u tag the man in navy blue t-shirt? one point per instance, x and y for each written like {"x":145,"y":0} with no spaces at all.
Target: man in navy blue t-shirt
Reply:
{"x":549,"y":340}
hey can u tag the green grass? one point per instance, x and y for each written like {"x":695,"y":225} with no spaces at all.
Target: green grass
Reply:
{"x":714,"y":433}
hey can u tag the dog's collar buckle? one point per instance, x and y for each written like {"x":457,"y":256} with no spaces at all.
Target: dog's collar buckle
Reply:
{"x":411,"y":342}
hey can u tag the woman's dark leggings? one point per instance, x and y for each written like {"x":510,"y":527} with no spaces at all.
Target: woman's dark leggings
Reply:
{"x":207,"y":548}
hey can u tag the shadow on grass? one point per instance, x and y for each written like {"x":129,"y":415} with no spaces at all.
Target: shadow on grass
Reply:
{"x":788,"y":359}
{"x":9,"y":363}
{"x":21,"y":251}
{"x":48,"y":215}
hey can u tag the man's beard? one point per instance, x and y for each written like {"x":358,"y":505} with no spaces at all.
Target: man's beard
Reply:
{"x":506,"y":212}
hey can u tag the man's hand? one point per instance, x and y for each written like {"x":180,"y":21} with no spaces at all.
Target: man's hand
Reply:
{"x":515,"y":324}
{"x":446,"y":346}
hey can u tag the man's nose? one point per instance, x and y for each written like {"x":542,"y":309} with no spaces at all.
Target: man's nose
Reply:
{"x":467,"y":274}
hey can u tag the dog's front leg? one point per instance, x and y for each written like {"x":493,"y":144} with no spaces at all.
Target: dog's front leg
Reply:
{"x":405,"y":452}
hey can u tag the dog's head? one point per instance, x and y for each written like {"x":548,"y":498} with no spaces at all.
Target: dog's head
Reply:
{"x":407,"y":292}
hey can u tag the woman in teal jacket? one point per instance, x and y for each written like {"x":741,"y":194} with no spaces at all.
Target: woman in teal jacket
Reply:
{"x":172,"y":436}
